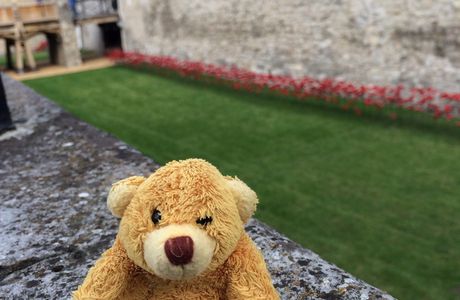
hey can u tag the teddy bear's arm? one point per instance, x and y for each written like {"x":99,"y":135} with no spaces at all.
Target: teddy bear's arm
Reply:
{"x":108,"y":278}
{"x":249,"y":277}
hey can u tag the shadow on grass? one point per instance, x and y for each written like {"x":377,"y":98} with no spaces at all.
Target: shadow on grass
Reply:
{"x":414,"y":121}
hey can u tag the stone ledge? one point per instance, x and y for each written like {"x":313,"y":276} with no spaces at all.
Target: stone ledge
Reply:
{"x":55,"y":172}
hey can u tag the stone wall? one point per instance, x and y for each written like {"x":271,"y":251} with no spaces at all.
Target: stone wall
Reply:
{"x":90,"y":38}
{"x":69,"y":52}
{"x":55,"y":172}
{"x":416,"y":42}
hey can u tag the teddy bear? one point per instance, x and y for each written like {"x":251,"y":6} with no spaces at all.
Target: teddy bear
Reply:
{"x":181,"y":236}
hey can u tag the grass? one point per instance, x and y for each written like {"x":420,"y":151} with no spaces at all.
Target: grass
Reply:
{"x":378,"y":198}
{"x":40,"y":58}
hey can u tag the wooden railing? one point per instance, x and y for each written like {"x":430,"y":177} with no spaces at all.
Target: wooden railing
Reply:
{"x":28,"y":13}
{"x":38,"y":13}
{"x":6,"y":16}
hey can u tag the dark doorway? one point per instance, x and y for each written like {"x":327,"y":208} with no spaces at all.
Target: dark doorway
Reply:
{"x":111,"y":34}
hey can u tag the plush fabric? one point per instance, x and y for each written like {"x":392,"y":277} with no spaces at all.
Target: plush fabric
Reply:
{"x":181,"y":236}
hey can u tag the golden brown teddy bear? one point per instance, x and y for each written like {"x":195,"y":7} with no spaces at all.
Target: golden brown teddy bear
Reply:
{"x":181,"y":236}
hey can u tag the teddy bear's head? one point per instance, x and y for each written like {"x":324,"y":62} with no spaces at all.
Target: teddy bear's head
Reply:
{"x":182,"y":221}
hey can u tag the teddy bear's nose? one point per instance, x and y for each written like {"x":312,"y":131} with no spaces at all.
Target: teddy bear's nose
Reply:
{"x":179,"y":250}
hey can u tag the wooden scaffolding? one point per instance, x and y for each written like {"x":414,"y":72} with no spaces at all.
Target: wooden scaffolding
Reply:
{"x":20,"y":21}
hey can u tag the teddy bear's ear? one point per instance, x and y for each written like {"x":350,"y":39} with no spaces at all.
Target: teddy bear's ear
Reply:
{"x":121,"y":194}
{"x":246,"y":199}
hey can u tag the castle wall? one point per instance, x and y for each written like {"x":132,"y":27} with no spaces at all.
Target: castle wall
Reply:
{"x":416,"y":42}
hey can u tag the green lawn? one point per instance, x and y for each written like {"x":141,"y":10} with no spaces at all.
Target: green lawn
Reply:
{"x":40,"y":58}
{"x":381,"y":199}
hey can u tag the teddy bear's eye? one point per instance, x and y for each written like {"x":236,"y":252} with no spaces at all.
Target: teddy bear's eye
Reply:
{"x":204,"y":221}
{"x":156,"y":216}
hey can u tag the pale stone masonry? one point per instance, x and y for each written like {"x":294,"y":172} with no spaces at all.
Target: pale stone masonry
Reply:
{"x":70,"y":52}
{"x":415,"y":42}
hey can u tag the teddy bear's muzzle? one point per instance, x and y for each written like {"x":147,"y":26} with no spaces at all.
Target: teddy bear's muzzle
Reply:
{"x":179,"y":250}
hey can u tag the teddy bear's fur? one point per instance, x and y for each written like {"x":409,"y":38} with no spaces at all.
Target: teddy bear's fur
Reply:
{"x":202,"y":207}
